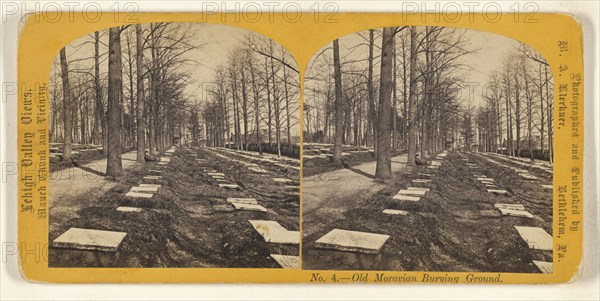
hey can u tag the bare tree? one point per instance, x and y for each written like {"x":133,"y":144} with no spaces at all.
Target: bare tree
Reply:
{"x":384,"y":158}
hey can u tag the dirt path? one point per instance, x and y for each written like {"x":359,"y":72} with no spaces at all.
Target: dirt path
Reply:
{"x":326,"y":196}
{"x":69,"y":186}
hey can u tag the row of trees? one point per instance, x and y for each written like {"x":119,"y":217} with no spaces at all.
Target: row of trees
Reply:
{"x":410,"y":101}
{"x":122,"y":87}
{"x":517,"y":113}
{"x":255,"y":97}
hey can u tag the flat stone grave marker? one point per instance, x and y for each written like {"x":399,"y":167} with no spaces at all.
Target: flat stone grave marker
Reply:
{"x":216,"y":174}
{"x":537,"y":238}
{"x":401,"y":197}
{"x":292,"y":187}
{"x":90,"y":239}
{"x":544,"y":266}
{"x":168,"y":154}
{"x":257,"y":170}
{"x":421,"y":181}
{"x":352,"y":241}
{"x":281,"y":180}
{"x":510,"y":206}
{"x":133,"y":194}
{"x":418,"y":188}
{"x":412,"y":192}
{"x":395,"y":212}
{"x":273,"y":232}
{"x":528,"y":176}
{"x":421,"y":174}
{"x":514,"y":212}
{"x":229,"y":186}
{"x":287,"y":261}
{"x":498,"y":191}
{"x":129,"y":209}
{"x":242,"y":200}
{"x":153,"y":189}
{"x":150,"y":185}
{"x":248,"y":207}
{"x":547,"y":186}
{"x":155,"y":170}
{"x":162,"y":163}
{"x":485,"y":179}
{"x":152,"y":177}
{"x":209,"y":170}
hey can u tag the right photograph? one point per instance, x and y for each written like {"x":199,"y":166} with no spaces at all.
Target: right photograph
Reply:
{"x":428,"y":149}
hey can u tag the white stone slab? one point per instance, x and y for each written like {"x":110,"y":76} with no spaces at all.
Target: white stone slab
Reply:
{"x":209,"y":170}
{"x":281,"y":180}
{"x":273,"y":232}
{"x":544,"y":266}
{"x":287,"y":261}
{"x":163,"y":163}
{"x":257,"y":169}
{"x":485,"y":179}
{"x":249,"y":207}
{"x":90,"y":239}
{"x":547,"y":186}
{"x":513,"y":212}
{"x":242,"y":200}
{"x":412,"y":192}
{"x":402,"y":197}
{"x":133,"y":194}
{"x":422,"y":174}
{"x":395,"y":212}
{"x":418,"y":188}
{"x":498,"y":191}
{"x":152,"y":177}
{"x":510,"y":206}
{"x":229,"y":186}
{"x":421,"y":181}
{"x":292,"y":187}
{"x":144,"y":189}
{"x":150,"y":185}
{"x":155,"y":170}
{"x":537,"y":238}
{"x":353,"y":241}
{"x":216,"y":174}
{"x":129,"y":209}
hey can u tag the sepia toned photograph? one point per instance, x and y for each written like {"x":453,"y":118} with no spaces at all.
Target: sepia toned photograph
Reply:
{"x":174,"y":145}
{"x":428,"y":149}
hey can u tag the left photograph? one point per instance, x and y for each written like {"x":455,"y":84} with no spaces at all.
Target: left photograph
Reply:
{"x":174,"y":145}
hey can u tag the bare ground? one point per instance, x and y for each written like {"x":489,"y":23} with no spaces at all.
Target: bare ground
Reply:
{"x":455,"y":227}
{"x":188,"y":223}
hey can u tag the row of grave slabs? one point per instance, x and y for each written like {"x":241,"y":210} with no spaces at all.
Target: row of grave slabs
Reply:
{"x":271,"y":231}
{"x":537,"y":238}
{"x":371,"y":243}
{"x":109,"y":241}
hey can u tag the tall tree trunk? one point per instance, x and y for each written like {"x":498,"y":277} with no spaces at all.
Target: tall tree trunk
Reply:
{"x":412,"y":98}
{"x":141,"y":127}
{"x":67,"y":110}
{"x":386,"y":84}
{"x":371,"y":131}
{"x":337,"y":74}
{"x":114,"y":166}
